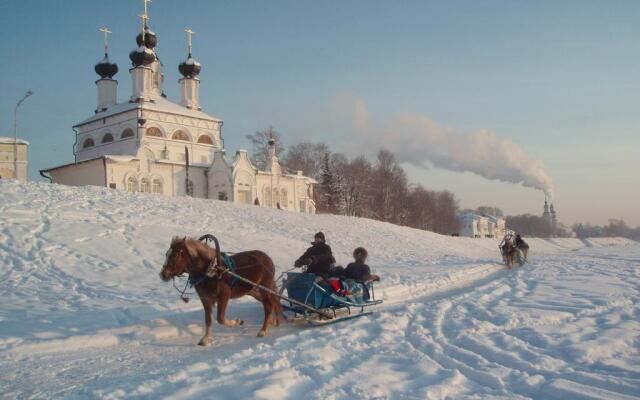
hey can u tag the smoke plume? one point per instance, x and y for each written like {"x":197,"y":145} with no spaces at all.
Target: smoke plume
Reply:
{"x":420,"y":141}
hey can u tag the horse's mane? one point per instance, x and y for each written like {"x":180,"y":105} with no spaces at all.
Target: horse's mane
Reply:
{"x":195,"y":248}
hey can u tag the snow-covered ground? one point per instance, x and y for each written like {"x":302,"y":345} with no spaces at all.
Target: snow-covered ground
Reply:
{"x":84,"y":314}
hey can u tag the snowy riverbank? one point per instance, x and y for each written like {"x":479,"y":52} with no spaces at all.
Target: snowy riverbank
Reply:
{"x":84,"y":313}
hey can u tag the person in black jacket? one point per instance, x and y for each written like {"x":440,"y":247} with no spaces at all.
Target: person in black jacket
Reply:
{"x":358,"y":270}
{"x":522,"y":246}
{"x":318,"y":258}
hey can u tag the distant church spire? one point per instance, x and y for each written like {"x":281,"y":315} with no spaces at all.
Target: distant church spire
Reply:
{"x":189,"y":68}
{"x":146,"y":74}
{"x":107,"y":87}
{"x":190,"y":84}
{"x":105,"y":68}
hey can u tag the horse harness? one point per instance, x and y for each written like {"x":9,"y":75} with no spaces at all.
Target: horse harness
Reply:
{"x":223,"y":265}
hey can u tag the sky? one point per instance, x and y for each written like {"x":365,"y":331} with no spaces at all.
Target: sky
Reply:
{"x":560,"y":80}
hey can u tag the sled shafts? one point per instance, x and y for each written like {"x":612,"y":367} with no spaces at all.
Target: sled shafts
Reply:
{"x":266,"y":289}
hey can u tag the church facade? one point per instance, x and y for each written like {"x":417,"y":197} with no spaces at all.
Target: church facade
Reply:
{"x":151,"y":144}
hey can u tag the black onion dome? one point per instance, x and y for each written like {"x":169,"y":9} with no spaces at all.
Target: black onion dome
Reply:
{"x":189,"y":68}
{"x":150,"y":38}
{"x":105,"y":68}
{"x":142,"y":56}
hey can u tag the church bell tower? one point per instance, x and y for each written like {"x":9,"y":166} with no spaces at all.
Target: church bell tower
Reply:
{"x":145,"y":64}
{"x":107,"y":86}
{"x":189,"y":83}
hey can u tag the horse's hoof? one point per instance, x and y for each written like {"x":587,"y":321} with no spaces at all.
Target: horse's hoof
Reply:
{"x":262,"y":333}
{"x":205,"y":341}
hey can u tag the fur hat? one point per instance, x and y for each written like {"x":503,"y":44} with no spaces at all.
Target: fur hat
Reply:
{"x":360,"y":251}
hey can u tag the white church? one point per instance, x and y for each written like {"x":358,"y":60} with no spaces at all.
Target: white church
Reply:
{"x":148,"y":143}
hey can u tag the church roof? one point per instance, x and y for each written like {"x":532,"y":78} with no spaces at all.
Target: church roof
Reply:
{"x":159,"y":104}
{"x":9,"y":140}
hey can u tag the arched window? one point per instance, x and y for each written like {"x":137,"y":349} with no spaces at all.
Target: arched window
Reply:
{"x":283,"y":198}
{"x":126,"y":133}
{"x":88,"y":142}
{"x":107,"y":138}
{"x":132,"y":184}
{"x":144,"y":185}
{"x":157,"y":186}
{"x":153,"y":131}
{"x":205,"y":139}
{"x":179,"y":135}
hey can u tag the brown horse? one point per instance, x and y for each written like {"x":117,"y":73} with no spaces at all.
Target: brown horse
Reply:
{"x":190,"y":256}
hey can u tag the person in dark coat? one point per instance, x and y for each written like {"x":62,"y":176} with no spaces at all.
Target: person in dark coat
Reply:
{"x":318,"y":258}
{"x":522,"y":246}
{"x":358,"y":270}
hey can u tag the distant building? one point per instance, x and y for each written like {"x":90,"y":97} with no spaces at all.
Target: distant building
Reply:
{"x":148,"y":143}
{"x":9,"y":150}
{"x":497,"y":226}
{"x":481,"y":226}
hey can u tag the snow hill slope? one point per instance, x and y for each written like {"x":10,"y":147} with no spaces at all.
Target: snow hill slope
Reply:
{"x":85,"y":315}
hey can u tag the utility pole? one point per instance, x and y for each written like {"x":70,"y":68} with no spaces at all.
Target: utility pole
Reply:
{"x":15,"y":134}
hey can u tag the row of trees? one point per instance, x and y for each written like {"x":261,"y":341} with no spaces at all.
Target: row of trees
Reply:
{"x":533,"y":225}
{"x":616,"y":227}
{"x":358,"y":187}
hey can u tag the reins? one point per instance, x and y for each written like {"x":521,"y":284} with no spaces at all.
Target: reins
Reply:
{"x":182,"y":292}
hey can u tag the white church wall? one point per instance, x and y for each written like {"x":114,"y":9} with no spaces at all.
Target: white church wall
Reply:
{"x":244,"y":187}
{"x":114,"y":125}
{"x":287,"y":191}
{"x":82,"y":174}
{"x":219,"y":178}
{"x":220,"y":186}
{"x":171,"y":177}
{"x":121,"y":147}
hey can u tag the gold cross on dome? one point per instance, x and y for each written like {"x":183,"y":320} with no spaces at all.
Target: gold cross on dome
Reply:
{"x":144,"y":18}
{"x":146,"y":14}
{"x":190,"y":33}
{"x":106,"y":33}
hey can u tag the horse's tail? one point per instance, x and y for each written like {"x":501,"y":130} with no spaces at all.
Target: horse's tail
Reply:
{"x":276,"y":306}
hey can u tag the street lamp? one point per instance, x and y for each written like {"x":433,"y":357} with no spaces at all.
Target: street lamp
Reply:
{"x":15,"y":134}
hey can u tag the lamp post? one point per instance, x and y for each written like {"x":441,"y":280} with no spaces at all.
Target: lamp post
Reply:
{"x":15,"y":134}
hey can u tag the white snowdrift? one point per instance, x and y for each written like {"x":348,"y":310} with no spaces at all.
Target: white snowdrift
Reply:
{"x":84,"y":313}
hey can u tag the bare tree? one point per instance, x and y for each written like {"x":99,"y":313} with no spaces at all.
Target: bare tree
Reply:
{"x":447,"y":222}
{"x":422,"y":208}
{"x":356,"y":184}
{"x":260,"y":146}
{"x":529,"y":225}
{"x":306,"y":157}
{"x":389,"y":188}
